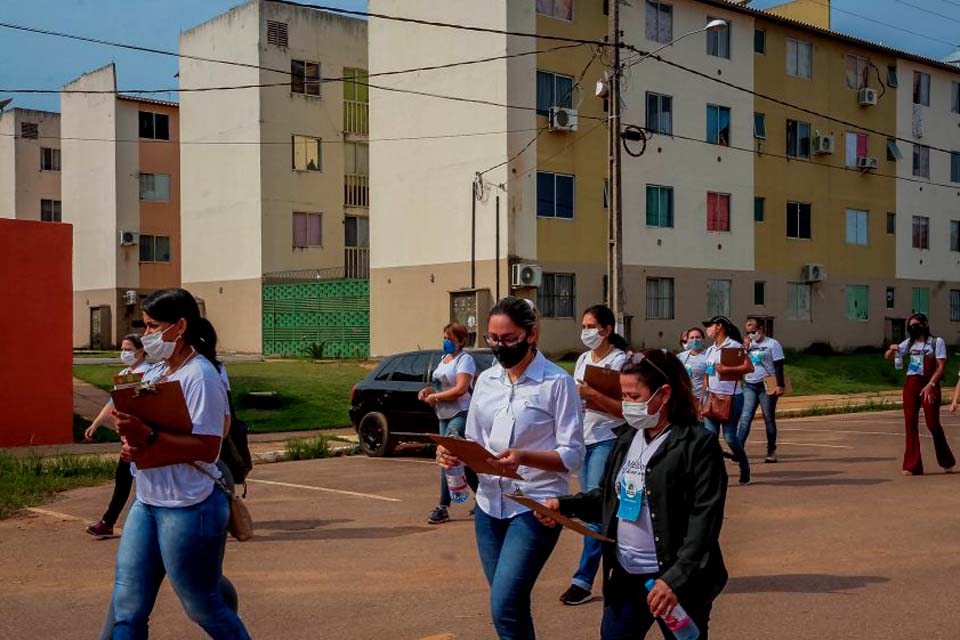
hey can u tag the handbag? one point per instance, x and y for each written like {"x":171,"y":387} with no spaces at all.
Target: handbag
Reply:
{"x":719,"y":406}
{"x":240,"y":524}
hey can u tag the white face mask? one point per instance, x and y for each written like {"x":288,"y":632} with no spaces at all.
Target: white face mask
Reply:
{"x":591,"y":338}
{"x":156,"y":347}
{"x":635,"y":413}
{"x":128,"y":358}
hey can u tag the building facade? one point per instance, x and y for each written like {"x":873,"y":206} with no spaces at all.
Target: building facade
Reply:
{"x":30,"y":165}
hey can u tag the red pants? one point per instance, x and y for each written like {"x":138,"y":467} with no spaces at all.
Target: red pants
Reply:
{"x":911,"y":416}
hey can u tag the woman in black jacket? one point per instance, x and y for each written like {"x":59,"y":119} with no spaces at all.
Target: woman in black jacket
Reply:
{"x":661,"y":501}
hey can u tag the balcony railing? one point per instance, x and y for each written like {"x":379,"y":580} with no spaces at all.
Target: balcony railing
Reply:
{"x":356,"y":116}
{"x":356,"y":190}
{"x":356,"y":263}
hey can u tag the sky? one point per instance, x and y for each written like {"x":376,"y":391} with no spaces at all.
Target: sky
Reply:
{"x":33,"y":61}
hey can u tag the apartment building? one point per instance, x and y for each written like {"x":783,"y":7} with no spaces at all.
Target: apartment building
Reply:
{"x":30,"y":165}
{"x":275,"y":176}
{"x":121,"y":186}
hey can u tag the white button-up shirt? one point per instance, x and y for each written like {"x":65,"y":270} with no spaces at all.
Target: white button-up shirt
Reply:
{"x":544,"y":409}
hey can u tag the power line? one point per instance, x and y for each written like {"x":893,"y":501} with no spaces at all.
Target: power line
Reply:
{"x":885,"y":24}
{"x":934,"y":13}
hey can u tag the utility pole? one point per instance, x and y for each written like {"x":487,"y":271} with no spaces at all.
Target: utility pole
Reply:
{"x":615,"y":243}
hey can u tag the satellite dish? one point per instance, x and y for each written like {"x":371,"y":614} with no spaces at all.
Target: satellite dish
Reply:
{"x":4,"y":103}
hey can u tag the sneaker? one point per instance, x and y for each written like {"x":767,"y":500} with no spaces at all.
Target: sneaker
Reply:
{"x":744,"y":479}
{"x":576,"y":595}
{"x":100,"y":529}
{"x":439,"y":516}
{"x":771,"y":458}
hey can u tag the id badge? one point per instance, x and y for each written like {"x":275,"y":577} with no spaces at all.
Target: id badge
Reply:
{"x":689,"y":370}
{"x":756,"y":357}
{"x":631,"y":499}
{"x":711,"y":369}
{"x":915,"y":367}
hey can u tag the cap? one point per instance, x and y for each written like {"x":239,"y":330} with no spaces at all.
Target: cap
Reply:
{"x":724,"y":320}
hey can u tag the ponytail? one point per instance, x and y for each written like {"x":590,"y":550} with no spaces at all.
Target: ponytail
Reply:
{"x":201,"y":335}
{"x":605,"y":318}
{"x":170,"y":305}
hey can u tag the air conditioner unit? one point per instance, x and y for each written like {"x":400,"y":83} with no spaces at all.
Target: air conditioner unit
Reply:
{"x":823,"y":145}
{"x":562,"y":119}
{"x":129,"y":238}
{"x":813,"y":273}
{"x":866,"y":163}
{"x":868,"y":97}
{"x":130,"y":297}
{"x":526,"y":275}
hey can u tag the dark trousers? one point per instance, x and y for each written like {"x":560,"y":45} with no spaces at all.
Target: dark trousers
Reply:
{"x":122,"y":483}
{"x":627,"y":616}
{"x":912,"y":403}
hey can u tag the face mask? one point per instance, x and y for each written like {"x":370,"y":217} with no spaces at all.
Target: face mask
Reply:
{"x":156,"y":347}
{"x":449,"y":347}
{"x":695,"y":344}
{"x":635,"y":413}
{"x":753,"y":336}
{"x":591,"y":338}
{"x":915,"y":331}
{"x":128,"y":357}
{"x":509,"y":357}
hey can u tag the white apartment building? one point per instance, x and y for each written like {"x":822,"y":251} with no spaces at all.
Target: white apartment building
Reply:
{"x":30,"y":165}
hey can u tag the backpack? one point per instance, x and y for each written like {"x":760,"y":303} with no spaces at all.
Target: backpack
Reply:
{"x":235,"y":449}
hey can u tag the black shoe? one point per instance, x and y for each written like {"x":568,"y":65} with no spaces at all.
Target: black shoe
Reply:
{"x":576,"y":595}
{"x":771,"y":458}
{"x":744,"y":478}
{"x":439,"y":516}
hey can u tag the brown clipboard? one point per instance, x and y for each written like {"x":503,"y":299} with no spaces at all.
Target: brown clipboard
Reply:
{"x":732,"y":357}
{"x":559,"y":518}
{"x":161,"y":406}
{"x":606,"y":381}
{"x":472,"y":454}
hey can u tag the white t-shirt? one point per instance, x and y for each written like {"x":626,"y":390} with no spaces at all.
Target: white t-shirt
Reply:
{"x":226,"y":384}
{"x":696,"y":366}
{"x":913,"y":354}
{"x":763,"y":355}
{"x":143,"y":367}
{"x":445,"y":377}
{"x":636,"y":545}
{"x":181,"y":485}
{"x":598,"y":426}
{"x":716,"y":385}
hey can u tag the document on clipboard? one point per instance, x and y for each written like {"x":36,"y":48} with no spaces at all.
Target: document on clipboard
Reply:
{"x":732,"y":357}
{"x":606,"y":381}
{"x":161,"y":406}
{"x":473,"y":455}
{"x":569,"y":523}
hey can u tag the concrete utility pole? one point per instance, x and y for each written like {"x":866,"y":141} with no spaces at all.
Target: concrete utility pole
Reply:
{"x":615,"y":242}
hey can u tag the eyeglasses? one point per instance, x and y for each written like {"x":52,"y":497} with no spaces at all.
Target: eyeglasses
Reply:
{"x":503,"y":341}
{"x":641,"y":357}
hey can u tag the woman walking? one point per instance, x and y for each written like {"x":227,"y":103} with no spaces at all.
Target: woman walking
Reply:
{"x":600,"y":416}
{"x":526,"y":411}
{"x":926,"y":360}
{"x":661,"y":501}
{"x":694,"y":359}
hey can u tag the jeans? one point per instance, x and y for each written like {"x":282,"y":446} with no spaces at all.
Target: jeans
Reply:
{"x":730,"y":434}
{"x":755,"y":393}
{"x":513,"y":551}
{"x":591,"y":473}
{"x":122,"y":483}
{"x":185,"y":544}
{"x":455,"y":426}
{"x":629,"y":617}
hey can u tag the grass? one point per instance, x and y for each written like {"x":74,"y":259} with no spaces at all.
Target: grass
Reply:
{"x":319,"y":447}
{"x":25,"y":482}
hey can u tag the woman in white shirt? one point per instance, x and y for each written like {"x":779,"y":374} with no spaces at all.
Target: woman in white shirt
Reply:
{"x":601,"y":415}
{"x":694,"y":360}
{"x":450,"y":398}
{"x":176,"y":525}
{"x":527,"y":412}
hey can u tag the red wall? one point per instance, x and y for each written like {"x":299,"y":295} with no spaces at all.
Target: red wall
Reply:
{"x":36,"y":312}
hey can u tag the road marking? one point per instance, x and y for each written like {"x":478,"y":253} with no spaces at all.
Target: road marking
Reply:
{"x":430,"y":462}
{"x":853,"y":432}
{"x":54,"y":514}
{"x":807,"y":444}
{"x":441,"y":636}
{"x":326,"y":490}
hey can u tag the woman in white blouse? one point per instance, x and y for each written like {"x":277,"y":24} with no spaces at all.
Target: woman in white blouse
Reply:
{"x":527,"y":412}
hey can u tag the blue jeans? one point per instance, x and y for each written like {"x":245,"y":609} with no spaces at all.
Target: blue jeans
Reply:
{"x":591,"y":473}
{"x":185,"y":544}
{"x":513,"y":551}
{"x":730,"y":433}
{"x":755,"y":393}
{"x":455,"y":426}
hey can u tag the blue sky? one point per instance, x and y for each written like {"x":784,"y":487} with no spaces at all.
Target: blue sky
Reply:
{"x":30,"y":61}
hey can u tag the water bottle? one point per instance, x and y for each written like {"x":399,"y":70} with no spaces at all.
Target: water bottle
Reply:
{"x":682,"y":625}
{"x":457,"y":484}
{"x":897,"y":360}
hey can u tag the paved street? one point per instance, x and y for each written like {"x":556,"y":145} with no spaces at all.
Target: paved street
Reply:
{"x":831,"y":543}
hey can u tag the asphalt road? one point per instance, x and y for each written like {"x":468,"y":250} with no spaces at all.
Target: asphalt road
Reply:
{"x":830,"y":543}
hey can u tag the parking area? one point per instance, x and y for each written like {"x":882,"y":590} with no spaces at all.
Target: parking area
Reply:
{"x":832,"y":542}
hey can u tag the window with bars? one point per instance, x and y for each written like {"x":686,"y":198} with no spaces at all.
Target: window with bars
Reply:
{"x":659,"y":206}
{"x":154,"y":248}
{"x":155,"y":187}
{"x":356,"y":101}
{"x":799,"y":58}
{"x":799,"y":220}
{"x":306,"y":153}
{"x":921,"y":232}
{"x":660,"y":113}
{"x":556,"y":297}
{"x":154,"y":126}
{"x":718,"y":297}
{"x":659,"y":27}
{"x":29,"y":130}
{"x":857,"y":226}
{"x":307,"y":230}
{"x":718,"y":211}
{"x":555,"y":195}
{"x":51,"y":211}
{"x":49,"y":159}
{"x":857,"y":70}
{"x":955,"y":305}
{"x":921,"y":88}
{"x":921,"y":160}
{"x":799,"y":298}
{"x":305,"y":77}
{"x":553,"y":90}
{"x":277,"y":33}
{"x":718,"y":125}
{"x":660,"y":299}
{"x":798,"y":139}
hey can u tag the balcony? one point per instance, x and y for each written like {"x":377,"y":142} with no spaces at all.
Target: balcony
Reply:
{"x":356,"y":263}
{"x":356,"y":116}
{"x":356,"y":190}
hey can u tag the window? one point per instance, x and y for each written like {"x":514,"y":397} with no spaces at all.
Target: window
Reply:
{"x":955,"y":305}
{"x":955,"y":235}
{"x":29,"y":130}
{"x":718,"y":297}
{"x":718,"y":40}
{"x":659,"y":21}
{"x":798,"y":139}
{"x":858,"y":305}
{"x":659,"y":298}
{"x":799,"y":58}
{"x":154,"y":126}
{"x":356,"y":101}
{"x":921,"y":232}
{"x":659,"y":206}
{"x":154,"y":248}
{"x":857,"y":70}
{"x":277,"y":33}
{"x":556,"y":297}
{"x":759,"y":209}
{"x":356,"y":231}
{"x":555,"y":195}
{"x":798,"y":220}
{"x":559,"y":9}
{"x":155,"y":187}
{"x":718,"y":211}
{"x":954,"y":166}
{"x":307,"y":230}
{"x":660,"y":113}
{"x":50,"y":211}
{"x":920,"y":300}
{"x":553,"y":90}
{"x":892,"y":80}
{"x":921,"y":160}
{"x":718,"y":125}
{"x":305,"y":77}
{"x":857,"y":225}
{"x":893,"y":151}
{"x":356,"y":158}
{"x":759,"y":293}
{"x":891,"y":297}
{"x":413,"y":368}
{"x":759,"y":41}
{"x":306,"y":153}
{"x":891,"y":223}
{"x":798,"y":301}
{"x":955,"y":97}
{"x":857,"y":146}
{"x":49,"y":159}
{"x":921,"y":88}
{"x":759,"y":126}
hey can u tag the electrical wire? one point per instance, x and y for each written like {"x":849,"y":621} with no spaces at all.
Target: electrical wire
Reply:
{"x":879,"y":22}
{"x":934,"y":13}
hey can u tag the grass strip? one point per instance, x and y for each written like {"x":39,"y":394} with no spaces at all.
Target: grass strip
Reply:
{"x":27,"y":482}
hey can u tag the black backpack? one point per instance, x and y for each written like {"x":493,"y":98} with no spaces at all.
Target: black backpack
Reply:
{"x":235,"y":449}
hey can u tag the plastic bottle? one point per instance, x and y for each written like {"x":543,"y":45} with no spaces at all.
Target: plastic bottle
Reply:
{"x":682,"y":625}
{"x":457,"y":484}
{"x":897,"y":360}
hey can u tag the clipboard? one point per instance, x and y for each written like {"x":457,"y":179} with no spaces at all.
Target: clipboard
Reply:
{"x":161,"y":406}
{"x":732,"y":357}
{"x":472,"y":454}
{"x":569,"y":523}
{"x":606,"y":381}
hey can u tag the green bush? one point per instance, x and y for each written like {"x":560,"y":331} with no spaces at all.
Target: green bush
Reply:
{"x":25,"y":482}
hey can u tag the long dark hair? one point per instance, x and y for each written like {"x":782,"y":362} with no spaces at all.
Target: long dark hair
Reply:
{"x":658,"y":368}
{"x":519,"y":310}
{"x":605,"y":318}
{"x":924,"y":323}
{"x":170,"y":305}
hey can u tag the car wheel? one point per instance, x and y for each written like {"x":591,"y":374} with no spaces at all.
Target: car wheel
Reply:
{"x":374,"y":435}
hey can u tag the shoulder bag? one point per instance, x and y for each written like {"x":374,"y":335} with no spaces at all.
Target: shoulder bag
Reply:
{"x":240,"y":525}
{"x":720,"y":406}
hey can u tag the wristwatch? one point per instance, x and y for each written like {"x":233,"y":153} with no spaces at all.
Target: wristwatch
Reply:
{"x":153,"y":435}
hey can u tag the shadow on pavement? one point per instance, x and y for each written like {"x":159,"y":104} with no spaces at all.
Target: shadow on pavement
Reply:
{"x":787,"y":473}
{"x":800,"y":583}
{"x":849,"y":460}
{"x":295,"y":525}
{"x":824,"y":482}
{"x":338,"y":534}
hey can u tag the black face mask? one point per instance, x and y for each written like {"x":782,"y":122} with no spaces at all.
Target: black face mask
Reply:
{"x":509,"y":357}
{"x":915,"y":331}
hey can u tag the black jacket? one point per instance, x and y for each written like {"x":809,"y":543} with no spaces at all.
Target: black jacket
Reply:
{"x":686,"y":486}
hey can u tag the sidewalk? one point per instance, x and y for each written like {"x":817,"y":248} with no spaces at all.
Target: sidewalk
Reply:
{"x":88,"y":400}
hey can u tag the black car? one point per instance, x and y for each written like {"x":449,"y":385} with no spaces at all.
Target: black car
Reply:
{"x":385,"y":402}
